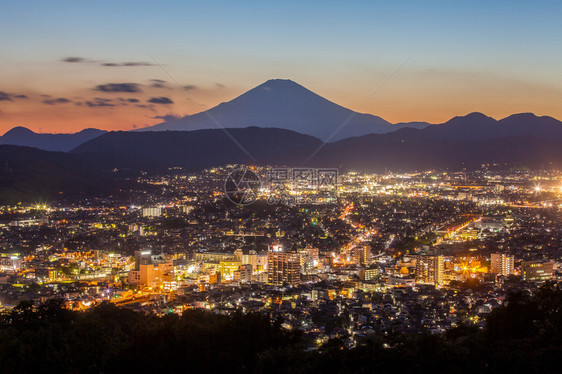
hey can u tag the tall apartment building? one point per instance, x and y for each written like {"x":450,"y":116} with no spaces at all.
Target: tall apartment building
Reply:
{"x":429,"y":269}
{"x":362,"y":255}
{"x":151,"y":212}
{"x":283,"y":268}
{"x":309,"y":258}
{"x":142,"y":258}
{"x":247,"y":259}
{"x":243,"y":274}
{"x":502,"y":264}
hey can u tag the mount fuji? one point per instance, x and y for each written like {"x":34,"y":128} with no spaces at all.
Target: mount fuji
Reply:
{"x":284,"y":104}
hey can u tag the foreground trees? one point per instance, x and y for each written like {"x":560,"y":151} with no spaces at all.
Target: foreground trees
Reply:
{"x":523,"y":336}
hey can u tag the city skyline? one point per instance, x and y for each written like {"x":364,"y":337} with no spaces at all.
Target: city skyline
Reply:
{"x":72,"y":66}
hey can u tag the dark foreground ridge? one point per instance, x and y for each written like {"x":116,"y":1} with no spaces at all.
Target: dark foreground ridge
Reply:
{"x":524,"y":336}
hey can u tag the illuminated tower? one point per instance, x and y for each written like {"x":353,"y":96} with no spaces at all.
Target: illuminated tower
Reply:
{"x":283,"y":268}
{"x":429,"y":269}
{"x":142,"y":258}
{"x":362,"y":255}
{"x":501,"y":264}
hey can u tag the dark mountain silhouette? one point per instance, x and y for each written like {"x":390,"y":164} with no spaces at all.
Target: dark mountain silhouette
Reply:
{"x":477,"y":126}
{"x":390,"y":152}
{"x":282,"y":103}
{"x":49,"y":142}
{"x":466,"y":141}
{"x":194,"y":150}
{"x":463,"y":142}
{"x":30,"y":174}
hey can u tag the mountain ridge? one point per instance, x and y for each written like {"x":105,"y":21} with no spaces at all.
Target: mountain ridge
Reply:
{"x":285,"y":104}
{"x":34,"y":175}
{"x":92,"y":167}
{"x":23,"y":136}
{"x":405,"y":149}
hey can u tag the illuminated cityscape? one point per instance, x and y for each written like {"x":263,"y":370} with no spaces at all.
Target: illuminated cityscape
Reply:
{"x":470,"y":236}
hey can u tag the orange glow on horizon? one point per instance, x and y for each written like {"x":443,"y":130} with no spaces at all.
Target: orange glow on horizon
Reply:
{"x":397,"y":103}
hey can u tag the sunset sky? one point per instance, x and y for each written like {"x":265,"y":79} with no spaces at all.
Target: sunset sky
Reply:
{"x":69,"y":65}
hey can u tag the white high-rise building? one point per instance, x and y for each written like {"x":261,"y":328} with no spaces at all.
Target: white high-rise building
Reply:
{"x":502,"y":264}
{"x":151,"y":212}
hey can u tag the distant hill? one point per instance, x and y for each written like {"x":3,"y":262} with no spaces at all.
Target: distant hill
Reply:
{"x":391,"y":152}
{"x":466,"y":141}
{"x":477,"y":126}
{"x":461,"y":142}
{"x":29,"y":174}
{"x":284,"y":104}
{"x":49,"y":142}
{"x":195,"y":150}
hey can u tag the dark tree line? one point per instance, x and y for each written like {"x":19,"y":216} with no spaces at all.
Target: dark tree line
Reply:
{"x":523,"y":336}
{"x":107,"y":339}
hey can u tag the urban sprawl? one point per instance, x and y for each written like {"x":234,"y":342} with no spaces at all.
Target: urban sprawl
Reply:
{"x":379,"y":254}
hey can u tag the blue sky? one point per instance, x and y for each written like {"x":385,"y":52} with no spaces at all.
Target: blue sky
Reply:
{"x":498,"y":57}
